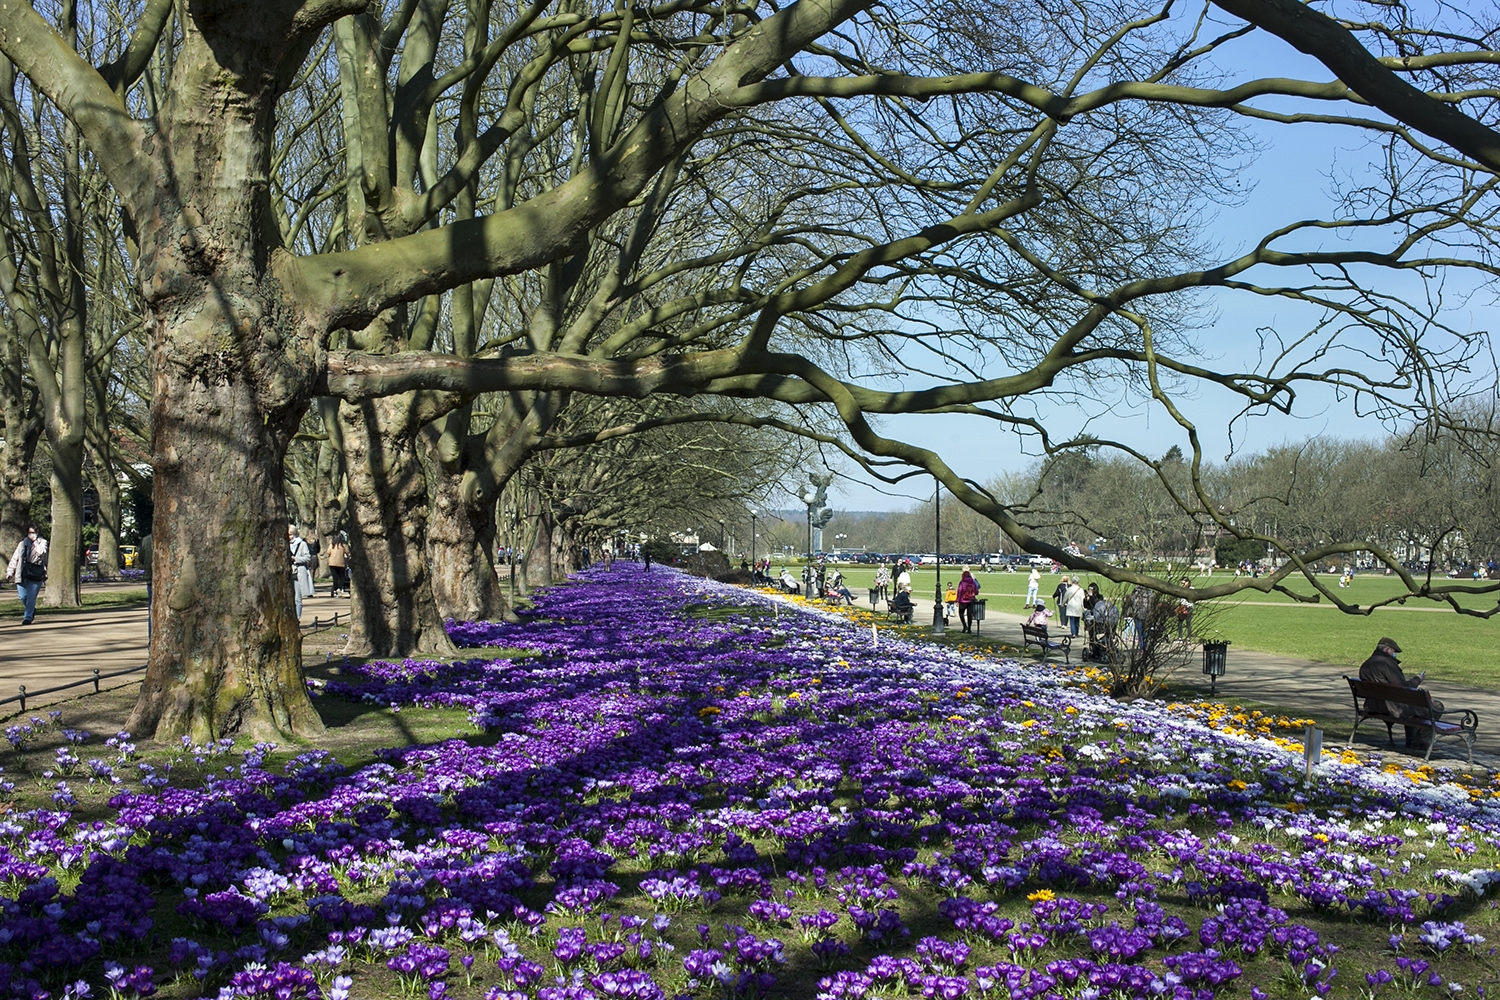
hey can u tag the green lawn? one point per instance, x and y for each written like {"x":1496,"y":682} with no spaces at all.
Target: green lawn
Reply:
{"x":10,"y":605}
{"x":1449,"y":646}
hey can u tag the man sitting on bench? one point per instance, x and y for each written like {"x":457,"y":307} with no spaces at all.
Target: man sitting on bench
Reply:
{"x":789,"y":583}
{"x":1383,"y":668}
{"x":901,"y":605}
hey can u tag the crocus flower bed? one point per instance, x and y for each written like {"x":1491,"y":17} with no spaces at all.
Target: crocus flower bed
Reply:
{"x":691,"y":790}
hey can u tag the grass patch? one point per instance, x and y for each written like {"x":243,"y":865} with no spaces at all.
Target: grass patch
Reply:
{"x":1455,"y":648}
{"x":1450,"y":647}
{"x":10,"y":606}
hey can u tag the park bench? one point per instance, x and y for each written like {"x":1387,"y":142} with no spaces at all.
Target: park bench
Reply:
{"x":1036,"y":635}
{"x":1418,"y":699}
{"x":900,"y":613}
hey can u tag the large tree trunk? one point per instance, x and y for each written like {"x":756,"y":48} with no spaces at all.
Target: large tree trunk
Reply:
{"x":330,"y":478}
{"x":393,"y":607}
{"x":107,"y":486}
{"x":22,"y":431}
{"x":569,"y":548}
{"x":226,"y":651}
{"x":461,"y":539}
{"x":539,"y":551}
{"x":232,"y":366}
{"x":65,"y":535}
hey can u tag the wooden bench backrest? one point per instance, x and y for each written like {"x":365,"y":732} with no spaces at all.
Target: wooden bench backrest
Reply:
{"x":1390,"y":693}
{"x":1039,"y":631}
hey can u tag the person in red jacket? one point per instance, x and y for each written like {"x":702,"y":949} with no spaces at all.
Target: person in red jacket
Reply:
{"x":968,"y":593}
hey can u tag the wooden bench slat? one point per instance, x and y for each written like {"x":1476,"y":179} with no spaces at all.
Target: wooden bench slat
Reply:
{"x":1418,"y":699}
{"x":1037,"y":635}
{"x":900,"y":614}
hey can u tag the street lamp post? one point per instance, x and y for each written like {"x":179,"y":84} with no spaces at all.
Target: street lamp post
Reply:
{"x":809,"y":497}
{"x":752,"y":538}
{"x":938,"y":625}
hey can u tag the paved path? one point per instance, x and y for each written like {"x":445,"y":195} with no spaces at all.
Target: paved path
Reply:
{"x":66,"y":645}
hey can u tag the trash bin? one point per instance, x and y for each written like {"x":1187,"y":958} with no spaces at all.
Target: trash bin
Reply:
{"x":1215,"y":656}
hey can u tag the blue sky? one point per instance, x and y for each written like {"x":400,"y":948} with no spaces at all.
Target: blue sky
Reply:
{"x":1291,"y":180}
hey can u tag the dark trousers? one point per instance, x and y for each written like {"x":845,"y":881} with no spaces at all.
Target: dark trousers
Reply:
{"x":1421,"y":736}
{"x":966,"y":614}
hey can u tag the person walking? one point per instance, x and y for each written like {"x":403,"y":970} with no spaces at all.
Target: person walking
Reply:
{"x":338,"y":564}
{"x":1073,"y":607}
{"x":968,"y":593}
{"x":1033,"y":584}
{"x":1060,"y":597}
{"x":28,"y":571}
{"x":1184,"y":610}
{"x":302,"y":560}
{"x":1138,"y":607}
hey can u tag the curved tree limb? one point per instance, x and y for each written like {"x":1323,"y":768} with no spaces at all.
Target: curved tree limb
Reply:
{"x":1323,"y":38}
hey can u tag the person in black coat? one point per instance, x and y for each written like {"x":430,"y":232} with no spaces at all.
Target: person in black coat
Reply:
{"x":1383,"y":667}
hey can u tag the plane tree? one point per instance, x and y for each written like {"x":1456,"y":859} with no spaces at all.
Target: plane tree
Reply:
{"x":614,"y":468}
{"x":242,"y":325}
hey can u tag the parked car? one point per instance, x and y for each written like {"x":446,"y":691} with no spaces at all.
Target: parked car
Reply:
{"x":127,"y":556}
{"x":91,"y":555}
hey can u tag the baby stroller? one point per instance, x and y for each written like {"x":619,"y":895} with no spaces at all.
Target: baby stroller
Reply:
{"x":1102,"y":622}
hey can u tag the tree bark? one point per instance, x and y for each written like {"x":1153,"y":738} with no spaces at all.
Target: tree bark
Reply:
{"x":568,"y":548}
{"x":232,"y":360}
{"x":329,"y":489}
{"x":538,"y":556}
{"x":107,"y":486}
{"x":393,"y":608}
{"x":226,"y":650}
{"x":461,"y":540}
{"x":22,"y":431}
{"x":65,"y":534}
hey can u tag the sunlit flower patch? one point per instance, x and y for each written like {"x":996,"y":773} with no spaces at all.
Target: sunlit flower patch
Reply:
{"x":703,"y":791}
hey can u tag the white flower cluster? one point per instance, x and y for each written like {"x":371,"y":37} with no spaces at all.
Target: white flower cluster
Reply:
{"x":1476,"y":880}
